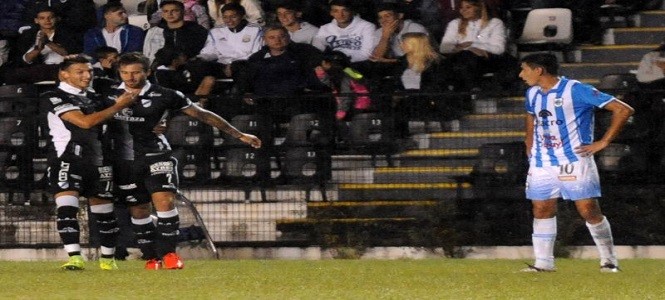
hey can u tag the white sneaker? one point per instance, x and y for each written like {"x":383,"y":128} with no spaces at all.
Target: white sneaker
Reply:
{"x":534,"y":269}
{"x":609,"y":268}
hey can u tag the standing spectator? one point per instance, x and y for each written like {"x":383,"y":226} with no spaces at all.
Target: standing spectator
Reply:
{"x":253,"y":11}
{"x":474,"y":43}
{"x":347,"y":33}
{"x":233,"y":43}
{"x":153,"y":166}
{"x":174,"y":32}
{"x":289,"y":14}
{"x":115,"y":32}
{"x":76,"y":162}
{"x":560,"y":146}
{"x":388,"y":38}
{"x":421,"y":70}
{"x":41,"y":49}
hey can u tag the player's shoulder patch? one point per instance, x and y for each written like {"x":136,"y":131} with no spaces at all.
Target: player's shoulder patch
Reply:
{"x":55,"y":100}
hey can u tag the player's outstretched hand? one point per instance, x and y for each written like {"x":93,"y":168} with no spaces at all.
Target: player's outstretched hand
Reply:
{"x":251,"y":140}
{"x":126,"y":99}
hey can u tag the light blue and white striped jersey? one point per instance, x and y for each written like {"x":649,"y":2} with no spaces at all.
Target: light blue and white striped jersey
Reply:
{"x":563,"y":120}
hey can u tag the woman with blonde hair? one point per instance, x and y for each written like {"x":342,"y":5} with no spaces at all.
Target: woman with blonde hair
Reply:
{"x":474,"y":43}
{"x":421,"y":71}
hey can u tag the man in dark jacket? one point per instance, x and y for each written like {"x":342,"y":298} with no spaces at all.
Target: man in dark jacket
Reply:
{"x":116,"y":32}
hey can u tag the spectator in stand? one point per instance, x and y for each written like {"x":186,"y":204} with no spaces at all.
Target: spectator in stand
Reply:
{"x":283,"y":68}
{"x":193,"y":12}
{"x":650,"y":71}
{"x":421,"y":70}
{"x":105,"y":71}
{"x":174,"y":32}
{"x":76,"y":16}
{"x":42,"y":49}
{"x":115,"y":32}
{"x":474,"y":44}
{"x":228,"y":46}
{"x":170,"y":70}
{"x":288,"y":14}
{"x":388,"y":38}
{"x":432,"y":14}
{"x":253,"y":11}
{"x":347,"y":33}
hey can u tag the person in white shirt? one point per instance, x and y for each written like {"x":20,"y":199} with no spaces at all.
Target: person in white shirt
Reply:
{"x":288,"y":14}
{"x":347,"y":33}
{"x":254,"y":12}
{"x":388,"y":38}
{"x":650,"y":73}
{"x":474,"y":43}
{"x":233,"y":43}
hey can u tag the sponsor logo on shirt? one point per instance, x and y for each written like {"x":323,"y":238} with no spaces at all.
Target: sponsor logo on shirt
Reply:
{"x":345,"y":42}
{"x":162,"y":167}
{"x":55,"y":100}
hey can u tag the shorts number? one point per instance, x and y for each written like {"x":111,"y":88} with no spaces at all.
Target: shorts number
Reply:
{"x":566,"y":169}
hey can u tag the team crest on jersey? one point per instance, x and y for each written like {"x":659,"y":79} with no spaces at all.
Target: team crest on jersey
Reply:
{"x":55,"y":100}
{"x":558,"y":102}
{"x":154,"y":94}
{"x":246,"y":38}
{"x":146,"y":102}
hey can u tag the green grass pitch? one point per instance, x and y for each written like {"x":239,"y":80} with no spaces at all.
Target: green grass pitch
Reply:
{"x":335,"y":279}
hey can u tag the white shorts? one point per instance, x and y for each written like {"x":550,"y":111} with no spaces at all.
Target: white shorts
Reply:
{"x":575,"y":181}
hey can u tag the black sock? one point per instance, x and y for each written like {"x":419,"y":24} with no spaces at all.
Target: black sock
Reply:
{"x":167,"y":234}
{"x":145,"y":239}
{"x":68,"y":226}
{"x":108,"y":230}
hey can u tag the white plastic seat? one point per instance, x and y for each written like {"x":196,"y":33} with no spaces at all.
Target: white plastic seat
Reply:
{"x":553,"y":26}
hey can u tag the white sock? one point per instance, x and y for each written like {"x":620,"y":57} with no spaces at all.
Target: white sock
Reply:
{"x":602,"y":236}
{"x":543,"y":238}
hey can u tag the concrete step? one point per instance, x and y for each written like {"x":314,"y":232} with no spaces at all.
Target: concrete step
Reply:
{"x":596,"y":70}
{"x":371,"y":209}
{"x":420,"y":174}
{"x":652,"y":18}
{"x":472,"y":139}
{"x":478,"y":122}
{"x":615,"y":53}
{"x":499,"y":105}
{"x":638,"y":35}
{"x":405,"y":191}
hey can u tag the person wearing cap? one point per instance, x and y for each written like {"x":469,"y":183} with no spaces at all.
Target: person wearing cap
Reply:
{"x":289,"y":14}
{"x":388,"y":38}
{"x":650,"y":71}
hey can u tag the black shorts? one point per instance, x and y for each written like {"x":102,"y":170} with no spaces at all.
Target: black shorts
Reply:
{"x":70,"y":173}
{"x":159,"y":173}
{"x":129,"y":191}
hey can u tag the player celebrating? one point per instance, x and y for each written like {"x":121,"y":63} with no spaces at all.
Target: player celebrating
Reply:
{"x":76,"y":162}
{"x":153,"y":169}
{"x":560,"y":144}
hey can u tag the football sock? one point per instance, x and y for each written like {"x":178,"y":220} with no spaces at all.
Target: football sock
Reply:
{"x":108,"y":228}
{"x":543,"y":238}
{"x":168,"y":223}
{"x":145,"y":232}
{"x":67,"y":208}
{"x":602,"y":236}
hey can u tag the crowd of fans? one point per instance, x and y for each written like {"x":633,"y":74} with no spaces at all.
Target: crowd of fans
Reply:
{"x":282,"y":47}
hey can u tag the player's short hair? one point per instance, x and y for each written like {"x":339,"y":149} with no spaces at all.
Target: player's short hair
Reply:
{"x":74,"y":59}
{"x":389,"y":6}
{"x":179,"y":4}
{"x":239,"y":9}
{"x":103,"y":51}
{"x":112,"y":7}
{"x":345,"y":3}
{"x":131,"y":58}
{"x":290,"y":5}
{"x":275,"y":27}
{"x":44,"y":8}
{"x":546,"y":61}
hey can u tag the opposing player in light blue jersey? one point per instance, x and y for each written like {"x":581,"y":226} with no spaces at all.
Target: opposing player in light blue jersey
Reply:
{"x":560,"y":145}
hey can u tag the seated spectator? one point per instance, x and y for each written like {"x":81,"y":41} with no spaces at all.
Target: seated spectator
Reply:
{"x":474,"y":44}
{"x":288,"y":14}
{"x":76,"y":17}
{"x":388,"y":38}
{"x":115,"y":32}
{"x":421,"y":70}
{"x":650,"y":71}
{"x":253,"y":11}
{"x":281,"y":69}
{"x":171,"y":71}
{"x":193,"y":12}
{"x":174,"y":32}
{"x":233,"y":43}
{"x":105,"y":71}
{"x":347,"y":33}
{"x":41,"y":49}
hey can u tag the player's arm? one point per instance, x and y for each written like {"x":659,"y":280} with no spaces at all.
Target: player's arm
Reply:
{"x":81,"y":120}
{"x":528,"y":138}
{"x":620,"y":114}
{"x":220,"y":123}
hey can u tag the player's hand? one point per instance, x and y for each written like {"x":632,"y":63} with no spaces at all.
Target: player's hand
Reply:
{"x":250,"y":140}
{"x":126,"y":99}
{"x":160,"y":128}
{"x":589,"y":150}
